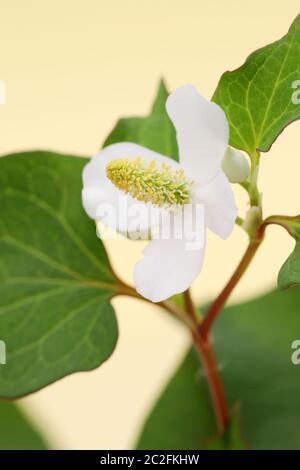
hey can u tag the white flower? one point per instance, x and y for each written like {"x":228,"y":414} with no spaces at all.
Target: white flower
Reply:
{"x":168,"y":267}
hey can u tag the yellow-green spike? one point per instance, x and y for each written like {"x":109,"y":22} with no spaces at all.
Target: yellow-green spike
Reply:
{"x":149,"y":182}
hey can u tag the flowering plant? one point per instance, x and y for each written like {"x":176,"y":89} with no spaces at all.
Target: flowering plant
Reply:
{"x":166,"y":178}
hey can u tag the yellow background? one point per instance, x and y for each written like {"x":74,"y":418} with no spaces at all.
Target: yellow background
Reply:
{"x":72,"y":67}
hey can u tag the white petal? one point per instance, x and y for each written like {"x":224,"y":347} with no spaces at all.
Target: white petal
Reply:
{"x":220,"y":210}
{"x":202,"y":132}
{"x":103,"y":201}
{"x":168,"y":267}
{"x":235,"y":165}
{"x":92,"y":197}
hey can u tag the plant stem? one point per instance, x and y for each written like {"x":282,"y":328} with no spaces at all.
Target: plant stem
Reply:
{"x":289,"y":223}
{"x":202,"y":340}
{"x":214,"y":380}
{"x":205,"y":350}
{"x":167,"y":305}
{"x":252,"y":188}
{"x":220,"y":301}
{"x":190,"y":307}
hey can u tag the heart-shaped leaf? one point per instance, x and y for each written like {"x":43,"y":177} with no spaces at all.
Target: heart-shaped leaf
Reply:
{"x":55,"y":279}
{"x":262,"y":96}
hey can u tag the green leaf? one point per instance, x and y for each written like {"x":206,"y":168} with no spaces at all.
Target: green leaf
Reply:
{"x":289,"y":274}
{"x":16,"y":430}
{"x":232,"y":438}
{"x":155,"y":131}
{"x":182,"y":418}
{"x":253,"y":342}
{"x":257,"y":97}
{"x":55,"y":279}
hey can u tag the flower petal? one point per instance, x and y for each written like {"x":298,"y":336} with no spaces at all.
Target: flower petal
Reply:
{"x":92,"y":197}
{"x":220,"y":209}
{"x":202,"y":132}
{"x":169,"y":266}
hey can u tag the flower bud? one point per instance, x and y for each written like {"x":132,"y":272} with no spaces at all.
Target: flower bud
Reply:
{"x":235,"y":165}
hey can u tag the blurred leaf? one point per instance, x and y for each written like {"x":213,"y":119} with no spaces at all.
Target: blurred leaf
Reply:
{"x":182,"y":418}
{"x":55,"y":280}
{"x":16,"y":431}
{"x":232,"y":438}
{"x":257,"y":97}
{"x":253,"y":343}
{"x":155,"y":131}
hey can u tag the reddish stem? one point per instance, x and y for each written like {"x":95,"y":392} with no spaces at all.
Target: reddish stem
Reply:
{"x":205,"y":349}
{"x":214,"y":380}
{"x":222,"y":298}
{"x":202,"y":340}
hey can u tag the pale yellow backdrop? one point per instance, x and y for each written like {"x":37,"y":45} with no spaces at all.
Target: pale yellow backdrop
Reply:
{"x":72,"y":67}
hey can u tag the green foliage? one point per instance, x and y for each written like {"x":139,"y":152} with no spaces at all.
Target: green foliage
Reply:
{"x":289,"y":274}
{"x":182,"y":417}
{"x":257,"y":97}
{"x":155,"y":131}
{"x":253,"y":342}
{"x":16,"y":431}
{"x":55,"y":279}
{"x":232,"y":438}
